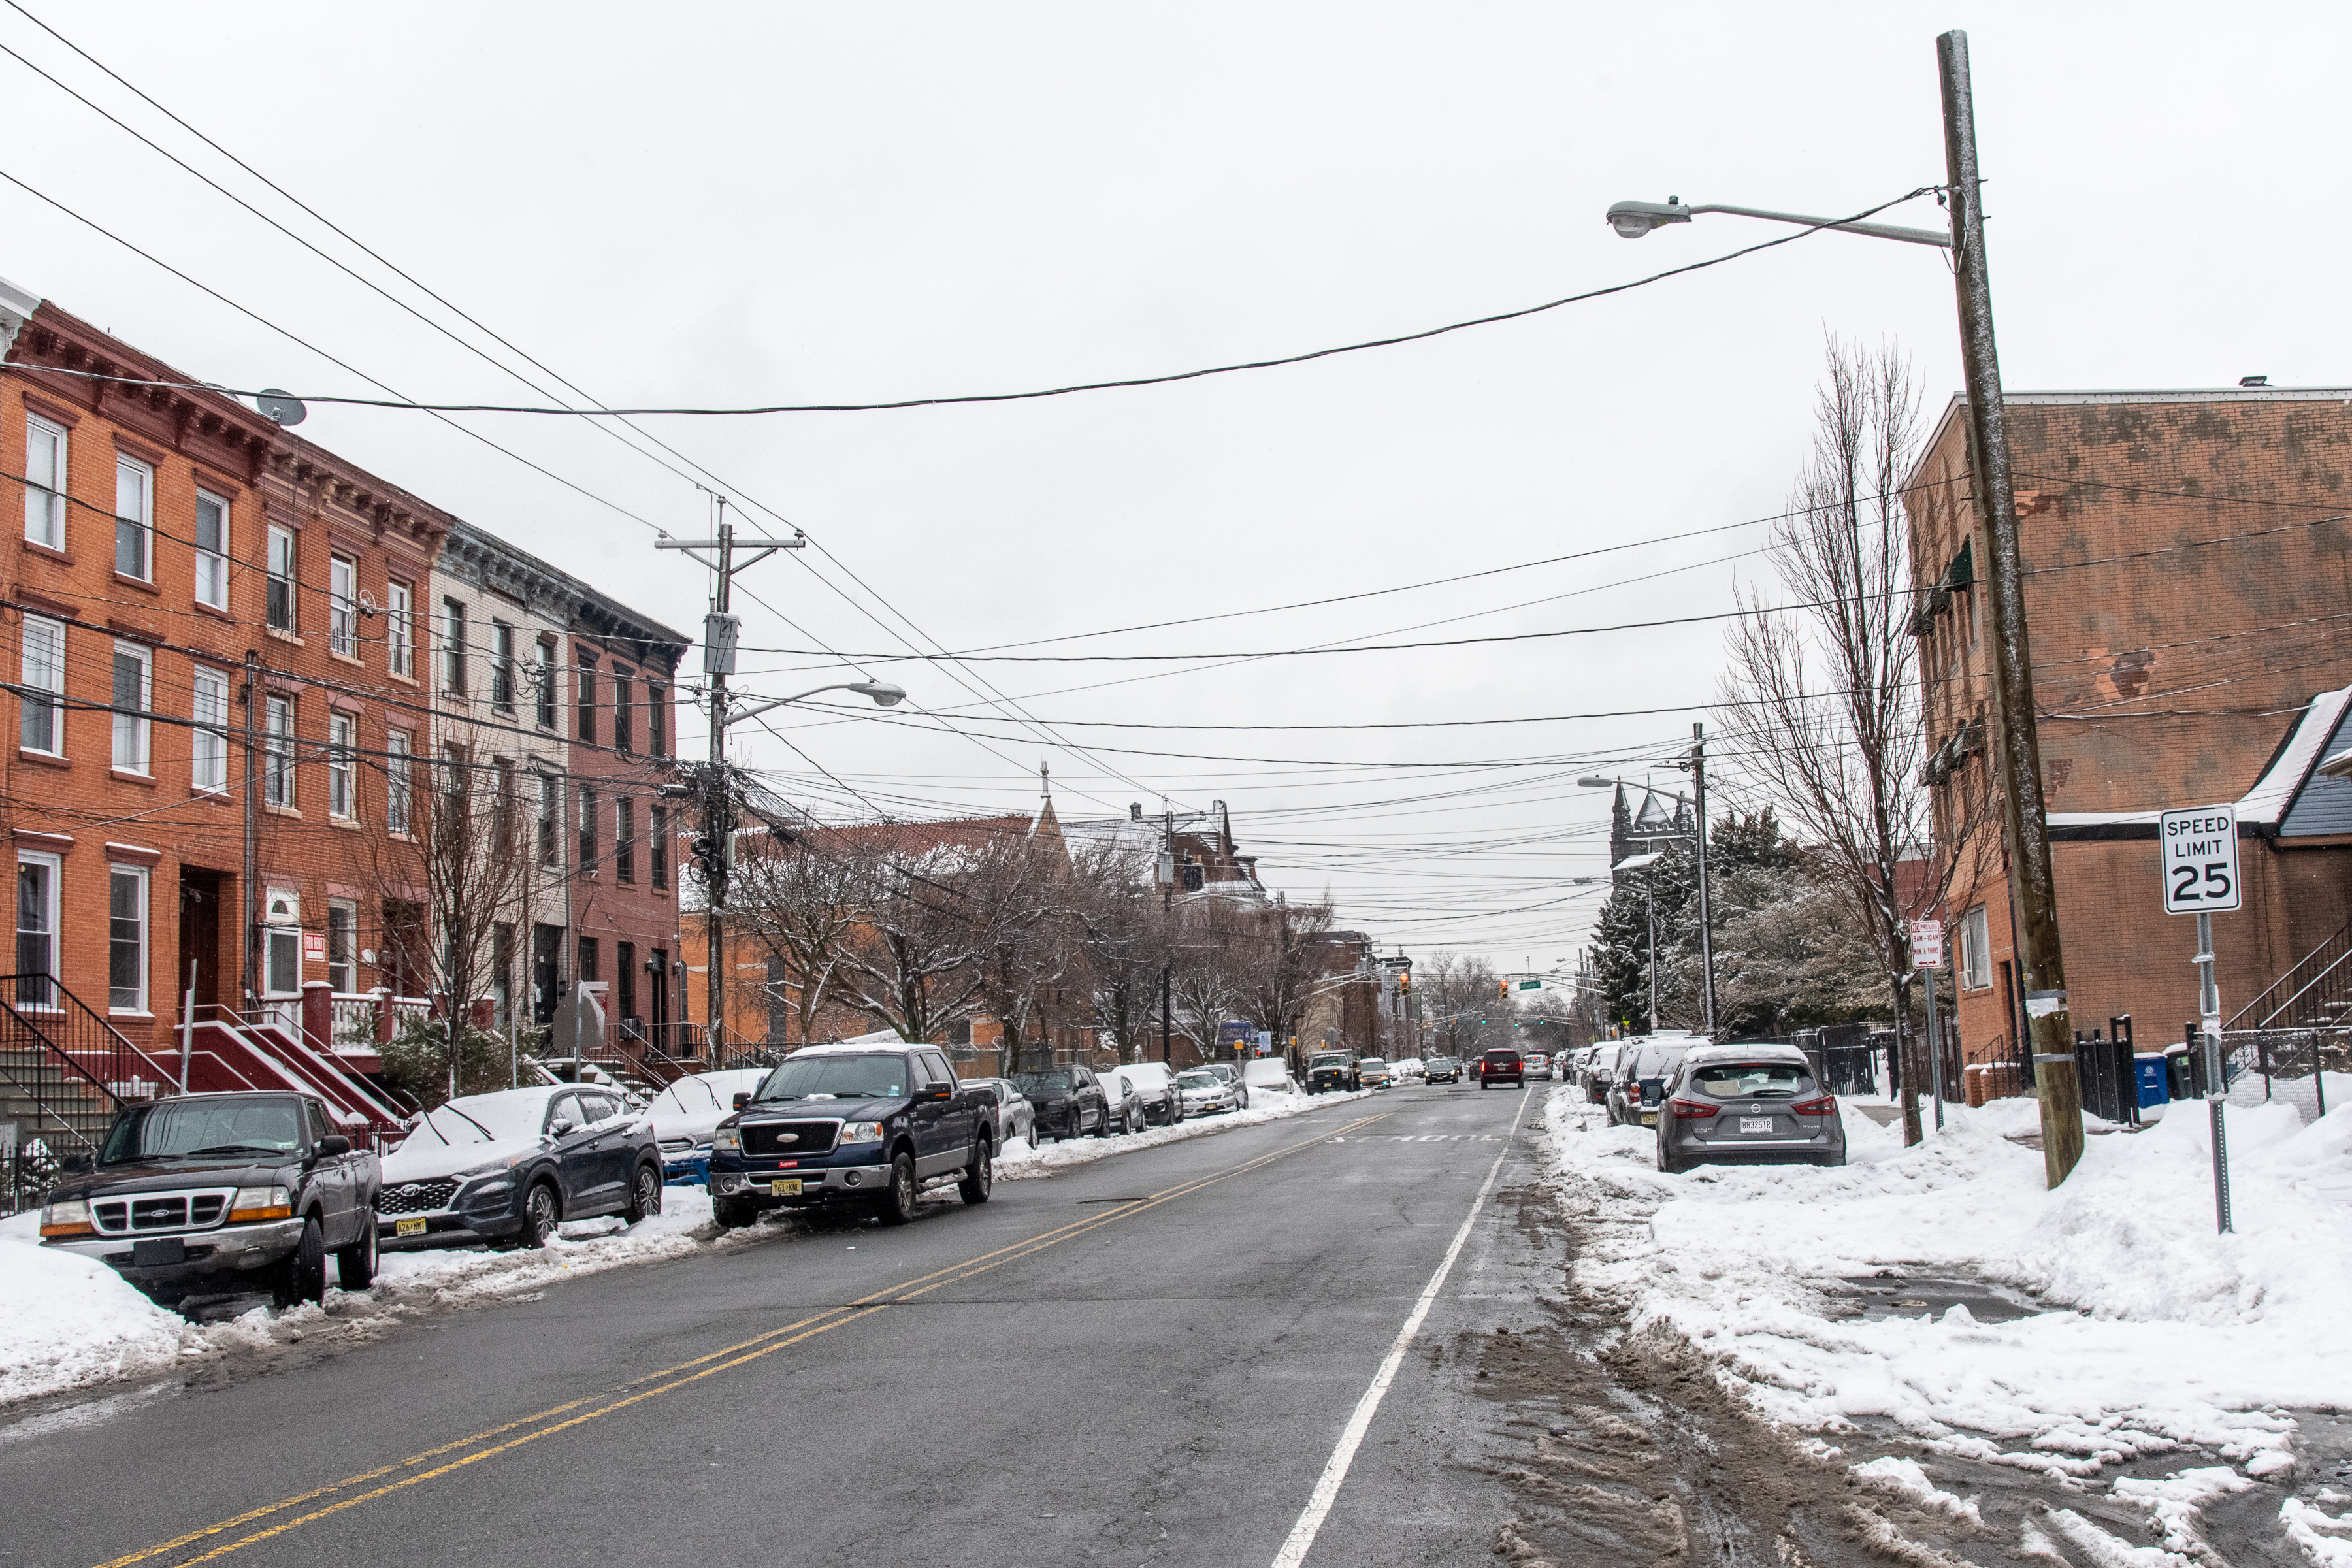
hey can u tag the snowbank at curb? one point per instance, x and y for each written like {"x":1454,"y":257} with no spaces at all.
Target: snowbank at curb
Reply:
{"x":2167,"y":1334}
{"x":1021,"y":1161}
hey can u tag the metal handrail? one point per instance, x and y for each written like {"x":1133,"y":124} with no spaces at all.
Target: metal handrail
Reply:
{"x":2342,"y":944}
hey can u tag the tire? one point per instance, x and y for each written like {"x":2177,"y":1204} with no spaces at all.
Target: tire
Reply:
{"x":899,"y":1207}
{"x":1033,"y":1132}
{"x":303,"y":1275}
{"x":980,"y":1176}
{"x":542,"y":1211}
{"x":355,"y":1264}
{"x":645,"y":1194}
{"x":734,"y":1216}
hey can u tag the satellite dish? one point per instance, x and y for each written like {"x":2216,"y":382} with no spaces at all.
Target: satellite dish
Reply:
{"x":283,"y":407}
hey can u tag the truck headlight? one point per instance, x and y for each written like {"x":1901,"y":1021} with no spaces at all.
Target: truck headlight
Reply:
{"x":260,"y":1202}
{"x":728,"y":1139}
{"x":861,"y":1132}
{"x":70,"y":1217}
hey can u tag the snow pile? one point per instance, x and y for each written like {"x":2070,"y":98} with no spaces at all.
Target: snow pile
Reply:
{"x":1021,"y":1161}
{"x":2168,"y":1335}
{"x":66,"y":1321}
{"x":583,"y":1246}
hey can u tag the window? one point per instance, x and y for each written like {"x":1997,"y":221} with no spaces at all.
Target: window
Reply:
{"x":211,"y":551}
{"x":625,"y":840}
{"x":343,"y":766}
{"x":209,"y":740}
{"x":502,"y":667}
{"x":543,"y":683}
{"x":134,"y":504}
{"x":343,"y":945}
{"x":657,"y":719}
{"x":625,"y":978}
{"x":43,"y":727}
{"x":282,"y":961}
{"x":281,"y":579}
{"x":659,"y":844}
{"x":623,"y":727}
{"x":36,"y":929}
{"x":587,"y":833}
{"x":277,"y":753}
{"x":587,"y":697}
{"x":1975,"y":949}
{"x":453,"y":647}
{"x":588,"y":959}
{"x":397,"y":748}
{"x":400,"y":630}
{"x":45,"y":483}
{"x":550,"y":798}
{"x":344,"y":606}
{"x":133,"y":684}
{"x":502,"y":956}
{"x":126,"y":939}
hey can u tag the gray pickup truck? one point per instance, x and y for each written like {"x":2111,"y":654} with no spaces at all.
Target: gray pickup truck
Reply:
{"x":218,"y":1193}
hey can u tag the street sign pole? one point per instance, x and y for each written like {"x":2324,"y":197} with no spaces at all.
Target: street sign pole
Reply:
{"x":2198,"y":852}
{"x":1927,"y":956}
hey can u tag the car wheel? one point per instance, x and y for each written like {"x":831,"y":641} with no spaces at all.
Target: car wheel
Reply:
{"x":899,"y":1206}
{"x":541,"y":1212}
{"x":646,"y":1196}
{"x":734,"y":1216}
{"x":1033,"y":1132}
{"x":980,"y":1176}
{"x":355,"y":1264}
{"x":303,"y":1275}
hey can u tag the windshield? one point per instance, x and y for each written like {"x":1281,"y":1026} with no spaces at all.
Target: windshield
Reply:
{"x":836,"y":1078}
{"x":483,"y":1119}
{"x":177,"y":1130}
{"x":1043,"y":1082}
{"x":1328,"y":1060}
{"x":703,"y":1092}
{"x":1197,"y":1080}
{"x":1752,"y":1080}
{"x":1657,"y":1061}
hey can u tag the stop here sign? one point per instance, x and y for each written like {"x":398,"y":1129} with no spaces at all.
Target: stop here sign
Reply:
{"x":2200,"y":860}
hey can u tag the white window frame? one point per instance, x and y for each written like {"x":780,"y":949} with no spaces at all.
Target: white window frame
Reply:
{"x":137,"y":1001}
{"x":454,"y":673}
{"x":55,"y":866}
{"x":132,"y":742}
{"x":140,"y":478}
{"x":343,"y":767}
{"x":212,"y":565}
{"x":550,"y":828}
{"x":45,"y":482}
{"x":284,"y":569}
{"x":277,"y":777}
{"x":502,"y":666}
{"x":277,"y":939}
{"x":399,"y":746}
{"x":347,"y":966}
{"x":343,"y":605}
{"x":400,"y":633}
{"x":1975,"y":949}
{"x":42,"y":668}
{"x":208,"y":738}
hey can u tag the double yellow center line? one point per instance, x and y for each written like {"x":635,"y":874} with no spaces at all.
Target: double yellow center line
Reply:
{"x":447,"y":1459}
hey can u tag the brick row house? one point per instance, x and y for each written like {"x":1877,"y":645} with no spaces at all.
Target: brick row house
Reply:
{"x":2188,"y":569}
{"x":225,"y":644}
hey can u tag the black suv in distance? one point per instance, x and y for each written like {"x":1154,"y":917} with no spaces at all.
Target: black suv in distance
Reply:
{"x":853,"y":1126}
{"x":1334,"y":1071}
{"x":1442,"y":1069}
{"x":204,"y":1194}
{"x":1070,"y":1101}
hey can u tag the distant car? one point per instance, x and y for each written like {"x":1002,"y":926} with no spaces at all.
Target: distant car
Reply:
{"x":1538,"y":1064}
{"x":1373,"y":1072}
{"x":1017,"y":1119}
{"x":507,"y":1168}
{"x":1156,"y":1081}
{"x":204,"y":1193}
{"x":1069,"y":1102}
{"x":687,"y":1113}
{"x":1123,"y":1107}
{"x":1205,"y":1093}
{"x":1599,"y":1068}
{"x":1231,"y":1074}
{"x":1409,"y":1069}
{"x":1332,"y":1071}
{"x":1642,"y":1069}
{"x":1501,"y":1065}
{"x":1755,"y":1104}
{"x":1442,"y":1069}
{"x":1268,"y":1075}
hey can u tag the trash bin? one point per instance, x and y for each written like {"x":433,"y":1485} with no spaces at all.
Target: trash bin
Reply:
{"x":2148,"y":1068}
{"x":2180,"y":1073}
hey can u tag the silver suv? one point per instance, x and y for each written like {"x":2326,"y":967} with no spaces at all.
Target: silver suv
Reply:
{"x":1756,"y":1104}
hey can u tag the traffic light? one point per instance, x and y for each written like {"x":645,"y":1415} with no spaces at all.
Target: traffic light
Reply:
{"x":1405,"y":983}
{"x":1503,"y":989}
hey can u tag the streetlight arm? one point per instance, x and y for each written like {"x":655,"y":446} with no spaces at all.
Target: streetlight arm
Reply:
{"x":885,"y":695}
{"x":1877,"y":230}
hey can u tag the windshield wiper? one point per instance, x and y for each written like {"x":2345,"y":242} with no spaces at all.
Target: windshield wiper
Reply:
{"x":488,"y":1136}
{"x":232,"y":1149}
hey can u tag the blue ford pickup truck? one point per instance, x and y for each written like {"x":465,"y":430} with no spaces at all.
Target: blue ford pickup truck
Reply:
{"x":860,"y":1127}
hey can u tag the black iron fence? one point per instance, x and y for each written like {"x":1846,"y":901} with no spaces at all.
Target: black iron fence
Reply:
{"x":2284,"y":1067}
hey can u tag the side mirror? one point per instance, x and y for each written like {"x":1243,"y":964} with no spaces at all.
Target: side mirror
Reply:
{"x":743,"y":1097}
{"x":936,"y":1091}
{"x":333,"y":1143}
{"x":561,"y":1127}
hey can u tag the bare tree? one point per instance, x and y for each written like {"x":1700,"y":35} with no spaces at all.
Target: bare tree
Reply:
{"x":1210,"y":953}
{"x":798,"y":895}
{"x":1017,"y":886}
{"x":927,"y":920}
{"x":1459,"y":996}
{"x":1283,"y":961}
{"x":1122,"y":931}
{"x":1821,"y":699}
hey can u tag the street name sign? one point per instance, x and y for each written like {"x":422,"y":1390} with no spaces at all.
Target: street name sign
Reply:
{"x":1926,"y":944}
{"x":1530,"y":984}
{"x":2199,"y":847}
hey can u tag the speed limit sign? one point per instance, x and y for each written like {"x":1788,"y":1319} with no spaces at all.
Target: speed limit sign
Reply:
{"x":2200,"y":860}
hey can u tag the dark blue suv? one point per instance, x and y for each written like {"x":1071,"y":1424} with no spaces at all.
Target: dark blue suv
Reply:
{"x":853,"y":1127}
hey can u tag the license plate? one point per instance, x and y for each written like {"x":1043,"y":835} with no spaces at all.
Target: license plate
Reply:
{"x":1649,"y":1119}
{"x":408,"y":1227}
{"x":783,"y":1189}
{"x":160,"y":1253}
{"x":1756,"y":1124}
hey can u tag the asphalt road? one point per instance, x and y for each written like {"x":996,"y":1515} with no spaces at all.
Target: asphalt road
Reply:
{"x":1148,"y":1359}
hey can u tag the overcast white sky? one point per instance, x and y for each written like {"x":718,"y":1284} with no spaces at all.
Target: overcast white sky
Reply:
{"x":800,"y":203}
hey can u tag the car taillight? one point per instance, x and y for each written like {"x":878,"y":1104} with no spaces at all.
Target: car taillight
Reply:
{"x":1821,"y":1105}
{"x":1687,"y":1108}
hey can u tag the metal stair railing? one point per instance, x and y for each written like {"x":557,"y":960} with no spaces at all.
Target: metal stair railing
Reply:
{"x":2316,"y":991}
{"x":74,"y":1068}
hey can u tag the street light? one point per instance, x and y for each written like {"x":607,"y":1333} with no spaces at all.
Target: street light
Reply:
{"x":1650,"y":901}
{"x":885,"y":695}
{"x":2024,"y":810}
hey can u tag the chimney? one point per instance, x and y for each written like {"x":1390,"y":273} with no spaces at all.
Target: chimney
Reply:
{"x":2253,"y":381}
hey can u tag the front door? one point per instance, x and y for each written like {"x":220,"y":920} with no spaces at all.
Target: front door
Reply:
{"x":200,"y":918}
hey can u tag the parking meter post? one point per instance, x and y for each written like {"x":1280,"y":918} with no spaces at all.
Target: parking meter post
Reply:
{"x":1934,"y":1049}
{"x":2208,"y":1002}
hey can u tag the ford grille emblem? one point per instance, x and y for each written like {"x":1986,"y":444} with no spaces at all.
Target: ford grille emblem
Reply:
{"x":788,"y":1137}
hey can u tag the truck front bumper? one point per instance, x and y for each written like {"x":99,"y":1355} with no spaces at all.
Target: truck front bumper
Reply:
{"x":816,"y":1184}
{"x":230,"y":1249}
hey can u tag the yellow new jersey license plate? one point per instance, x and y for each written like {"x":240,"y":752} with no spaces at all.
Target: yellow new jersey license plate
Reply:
{"x":783,"y":1189}
{"x":408,"y":1227}
{"x":1649,"y":1119}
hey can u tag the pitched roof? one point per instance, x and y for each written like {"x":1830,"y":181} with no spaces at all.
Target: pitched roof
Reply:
{"x":2292,"y":797}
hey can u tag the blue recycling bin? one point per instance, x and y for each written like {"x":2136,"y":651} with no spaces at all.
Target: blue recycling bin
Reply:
{"x":2148,"y":1068}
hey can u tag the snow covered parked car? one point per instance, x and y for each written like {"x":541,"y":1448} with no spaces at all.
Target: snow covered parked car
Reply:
{"x":1205,"y":1093}
{"x":1264,"y":1075}
{"x":1409,"y":1070}
{"x":686,"y":1112}
{"x":1124,"y":1111}
{"x":1156,"y":1081}
{"x":507,"y":1168}
{"x":1231,"y":1074}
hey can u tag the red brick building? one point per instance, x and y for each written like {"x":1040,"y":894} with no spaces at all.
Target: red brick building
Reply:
{"x":2190,"y":571}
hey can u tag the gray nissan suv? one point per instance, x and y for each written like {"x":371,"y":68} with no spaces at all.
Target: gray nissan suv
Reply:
{"x":1755,"y":1104}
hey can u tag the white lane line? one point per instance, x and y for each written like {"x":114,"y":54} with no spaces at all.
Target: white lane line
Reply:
{"x":1327,"y":1490}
